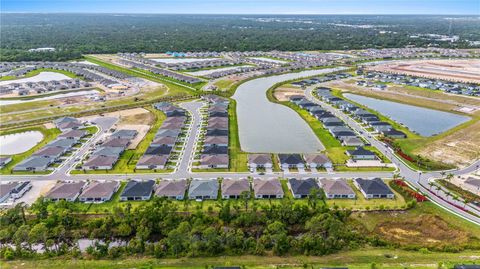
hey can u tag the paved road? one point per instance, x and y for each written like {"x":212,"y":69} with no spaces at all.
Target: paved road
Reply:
{"x":415,"y":178}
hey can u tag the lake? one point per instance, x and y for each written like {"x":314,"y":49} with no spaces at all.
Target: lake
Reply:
{"x":49,"y":97}
{"x":42,"y":76}
{"x":424,"y":121}
{"x":19,"y":142}
{"x":269,"y":127}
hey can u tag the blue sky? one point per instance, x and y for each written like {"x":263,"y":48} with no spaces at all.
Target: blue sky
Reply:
{"x":471,"y":7}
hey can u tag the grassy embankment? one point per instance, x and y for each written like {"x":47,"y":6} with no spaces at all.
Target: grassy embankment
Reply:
{"x":333,"y":148}
{"x":48,"y":135}
{"x":128,"y":160}
{"x":413,"y":140}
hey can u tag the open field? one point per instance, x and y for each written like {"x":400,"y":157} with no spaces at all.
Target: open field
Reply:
{"x":453,"y":70}
{"x":457,"y":146}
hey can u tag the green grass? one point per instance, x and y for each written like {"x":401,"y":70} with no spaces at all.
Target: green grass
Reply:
{"x":48,"y":135}
{"x":238,"y":158}
{"x":354,"y":259}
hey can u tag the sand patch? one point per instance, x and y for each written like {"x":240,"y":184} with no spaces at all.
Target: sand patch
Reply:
{"x":284,"y":93}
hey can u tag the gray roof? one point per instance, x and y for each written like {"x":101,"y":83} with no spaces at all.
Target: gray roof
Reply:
{"x":116,"y":142}
{"x":271,"y":186}
{"x":338,"y":187}
{"x":100,"y":160}
{"x":138,"y":188}
{"x":206,"y":187}
{"x":6,"y":189}
{"x":108,"y":151}
{"x":316,"y":158}
{"x":235,"y":186}
{"x":302,"y":186}
{"x":62,"y":142}
{"x":37,"y":162}
{"x":74,"y":133}
{"x":152,"y":160}
{"x":220,"y":159}
{"x":171,"y":188}
{"x":124,"y":133}
{"x":373,"y":186}
{"x":50,"y":151}
{"x":65,"y":190}
{"x":100,"y":189}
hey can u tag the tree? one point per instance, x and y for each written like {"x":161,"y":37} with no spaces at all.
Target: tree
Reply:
{"x":38,"y":234}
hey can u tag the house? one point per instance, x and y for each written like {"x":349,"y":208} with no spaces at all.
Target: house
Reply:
{"x":167,"y":133}
{"x":65,"y":191}
{"x":260,"y":161}
{"x":20,"y":189}
{"x":317,"y":160}
{"x":352,"y":141}
{"x":373,"y":188}
{"x":50,"y":152}
{"x":99,"y":192}
{"x":152,"y":162}
{"x":394,"y":134}
{"x":301,"y":188}
{"x":108,"y":151}
{"x":168,"y":141}
{"x":116,"y":142}
{"x":233,"y":188}
{"x":159,"y":150}
{"x":172,"y":189}
{"x":214,"y":161}
{"x":290,"y":161}
{"x":73,"y":134}
{"x":34,"y":163}
{"x":203,"y":189}
{"x":361,"y":153}
{"x":64,"y":143}
{"x":100,"y":162}
{"x":336,"y":188}
{"x":4,"y":161}
{"x":137,"y":190}
{"x":125,"y":134}
{"x":215,"y":150}
{"x":221,"y":141}
{"x":67,"y":123}
{"x":216,"y":132}
{"x":267,"y":188}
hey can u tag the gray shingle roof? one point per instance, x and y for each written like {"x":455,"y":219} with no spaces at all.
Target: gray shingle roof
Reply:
{"x":171,"y":188}
{"x":99,"y":189}
{"x":138,"y":188}
{"x":207,"y":187}
{"x":235,"y":186}
{"x":373,"y":186}
{"x":336,"y":187}
{"x":65,"y":190}
{"x":271,"y":186}
{"x":302,"y":186}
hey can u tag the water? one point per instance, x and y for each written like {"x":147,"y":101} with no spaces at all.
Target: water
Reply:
{"x":42,"y":76}
{"x":182,"y":60}
{"x":269,"y":127}
{"x":54,"y":96}
{"x":19,"y":142}
{"x":424,"y":121}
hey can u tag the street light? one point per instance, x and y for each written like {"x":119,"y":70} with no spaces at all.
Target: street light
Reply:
{"x":419,"y":175}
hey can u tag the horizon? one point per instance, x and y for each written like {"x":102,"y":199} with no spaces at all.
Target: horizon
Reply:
{"x":245,"y":7}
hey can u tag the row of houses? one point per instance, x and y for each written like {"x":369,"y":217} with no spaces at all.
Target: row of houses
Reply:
{"x":54,"y":151}
{"x":368,"y":119}
{"x":215,"y":130}
{"x":206,"y":189}
{"x":288,"y":161}
{"x":43,"y":86}
{"x":428,"y":83}
{"x":108,"y":152}
{"x":12,"y":191}
{"x":410,"y":52}
{"x":315,"y":80}
{"x":166,"y":138}
{"x":240,"y":69}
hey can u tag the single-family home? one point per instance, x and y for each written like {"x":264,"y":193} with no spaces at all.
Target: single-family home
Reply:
{"x":203,"y":189}
{"x":137,"y":190}
{"x":152,"y":162}
{"x":99,"y":192}
{"x":393,"y":133}
{"x":317,"y":161}
{"x":221,"y":141}
{"x":172,"y":189}
{"x":301,"y":188}
{"x":125,"y":134}
{"x":214,"y":161}
{"x":73,"y":134}
{"x":361,"y":153}
{"x":267,"y":188}
{"x":373,"y":188}
{"x":67,"y":191}
{"x":260,"y":161}
{"x":352,"y":141}
{"x":100,"y":162}
{"x":34,"y":163}
{"x":233,"y":188}
{"x":290,"y":161}
{"x":336,"y":188}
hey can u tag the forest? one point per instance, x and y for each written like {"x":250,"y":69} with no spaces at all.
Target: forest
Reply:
{"x":76,"y":34}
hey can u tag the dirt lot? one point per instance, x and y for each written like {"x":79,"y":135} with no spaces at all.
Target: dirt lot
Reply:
{"x":284,"y":93}
{"x":425,"y":231}
{"x":138,"y":119}
{"x":453,"y":70}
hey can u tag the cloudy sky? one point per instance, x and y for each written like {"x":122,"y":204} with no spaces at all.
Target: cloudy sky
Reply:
{"x":471,"y":7}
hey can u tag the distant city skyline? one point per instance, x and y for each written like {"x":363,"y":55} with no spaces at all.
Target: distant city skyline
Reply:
{"x":442,"y":7}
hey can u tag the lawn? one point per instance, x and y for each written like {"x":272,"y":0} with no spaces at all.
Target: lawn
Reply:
{"x":238,"y":158}
{"x":48,"y":135}
{"x":354,"y":259}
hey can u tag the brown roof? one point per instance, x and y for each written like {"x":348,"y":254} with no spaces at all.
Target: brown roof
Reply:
{"x":74,"y":133}
{"x":271,"y":186}
{"x":259,"y":158}
{"x":175,"y":120}
{"x":217,"y":119}
{"x":153,"y":160}
{"x":219,"y":125}
{"x":338,"y":186}
{"x":99,"y":189}
{"x":116,"y":142}
{"x":49,"y":151}
{"x":220,"y":159}
{"x":216,"y":140}
{"x":171,"y":187}
{"x":234,"y":186}
{"x":100,"y":160}
{"x":65,"y":190}
{"x":316,"y":158}
{"x":168,"y":140}
{"x":172,"y":126}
